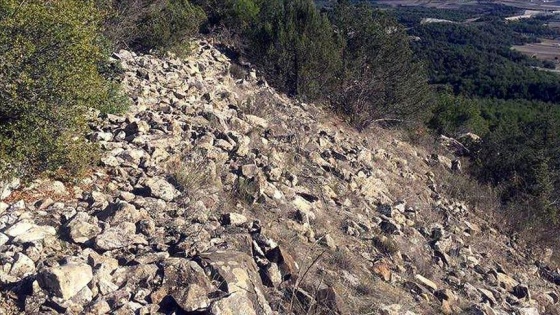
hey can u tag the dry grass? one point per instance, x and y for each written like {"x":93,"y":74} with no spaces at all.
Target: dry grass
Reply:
{"x":237,"y":71}
{"x":193,"y":174}
{"x":245,"y":190}
{"x":385,"y":245}
{"x":341,"y":259}
{"x":464,"y":188}
{"x":260,"y":104}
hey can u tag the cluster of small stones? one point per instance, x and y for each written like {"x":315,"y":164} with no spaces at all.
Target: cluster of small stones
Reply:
{"x":203,"y":177}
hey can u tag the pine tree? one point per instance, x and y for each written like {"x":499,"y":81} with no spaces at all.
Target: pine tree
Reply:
{"x":378,"y":78}
{"x":297,"y":44}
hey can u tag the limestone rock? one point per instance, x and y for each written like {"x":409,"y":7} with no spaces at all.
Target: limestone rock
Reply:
{"x":22,"y":266}
{"x":80,"y":229}
{"x":328,"y":241}
{"x":426,"y":282}
{"x":8,"y":186}
{"x":528,"y":311}
{"x":34,"y":234}
{"x":65,"y":281}
{"x":117,"y":237}
{"x":235,"y":219}
{"x":256,"y":121}
{"x":160,"y":188}
{"x":238,"y":277}
{"x":187,"y":284}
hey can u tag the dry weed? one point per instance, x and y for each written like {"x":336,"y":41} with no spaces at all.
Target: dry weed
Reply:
{"x":385,"y":245}
{"x":260,"y":104}
{"x":193,"y":174}
{"x":237,"y":71}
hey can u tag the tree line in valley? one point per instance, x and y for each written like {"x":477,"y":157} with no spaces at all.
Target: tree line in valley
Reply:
{"x":485,"y":87}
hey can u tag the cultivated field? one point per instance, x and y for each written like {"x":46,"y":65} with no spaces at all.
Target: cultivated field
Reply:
{"x":532,"y":5}
{"x":451,"y":4}
{"x":545,"y":50}
{"x":447,"y":4}
{"x":554,"y":24}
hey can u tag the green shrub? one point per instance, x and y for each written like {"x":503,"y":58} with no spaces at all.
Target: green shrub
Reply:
{"x":143,"y":25}
{"x":379,"y":79}
{"x":169,"y":23}
{"x":296,"y":46}
{"x":50,"y":59}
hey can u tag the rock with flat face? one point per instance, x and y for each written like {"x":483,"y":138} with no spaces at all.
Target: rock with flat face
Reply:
{"x":19,"y":228}
{"x":160,"y":188}
{"x":426,"y":282}
{"x":82,"y":228}
{"x":256,"y":121}
{"x":119,"y":236}
{"x":236,"y":274}
{"x":6,"y":187}
{"x":234,"y":219}
{"x":34,"y":234}
{"x":330,"y":300}
{"x":488,"y":296}
{"x":528,"y":311}
{"x":186,"y":283}
{"x":22,"y":266}
{"x":65,"y":281}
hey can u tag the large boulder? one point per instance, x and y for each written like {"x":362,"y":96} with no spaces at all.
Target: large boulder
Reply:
{"x":237,"y":275}
{"x":160,"y":188}
{"x":65,"y":281}
{"x":186,"y":283}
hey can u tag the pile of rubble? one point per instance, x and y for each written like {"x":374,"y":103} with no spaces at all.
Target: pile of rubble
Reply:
{"x":217,"y":195}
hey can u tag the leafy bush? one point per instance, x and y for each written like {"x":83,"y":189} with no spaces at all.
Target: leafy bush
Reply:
{"x":351,"y":56}
{"x":456,"y":115}
{"x":50,"y":57}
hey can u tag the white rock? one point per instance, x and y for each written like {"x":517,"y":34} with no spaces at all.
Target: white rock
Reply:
{"x":132,"y":156}
{"x":528,"y":311}
{"x":3,"y":239}
{"x":426,"y":282}
{"x":110,"y":161}
{"x":80,"y":230}
{"x":22,"y":266}
{"x":3,"y":207}
{"x":234,"y":219}
{"x":65,"y":281}
{"x":36,"y":233}
{"x":19,"y":228}
{"x":119,"y":237}
{"x":160,"y":188}
{"x":6,"y":188}
{"x":257,"y":121}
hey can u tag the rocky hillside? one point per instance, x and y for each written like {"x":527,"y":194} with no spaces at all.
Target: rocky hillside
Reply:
{"x":217,"y":195}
